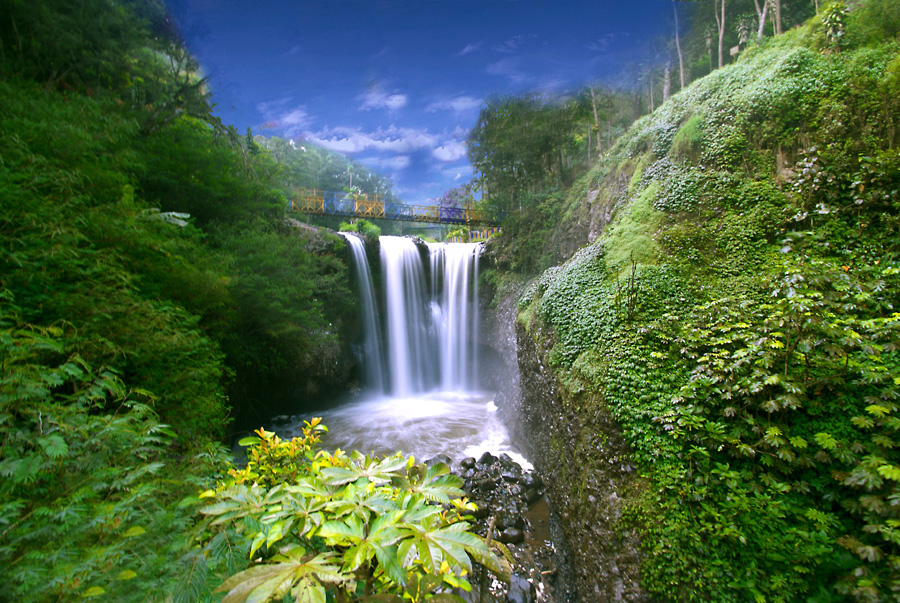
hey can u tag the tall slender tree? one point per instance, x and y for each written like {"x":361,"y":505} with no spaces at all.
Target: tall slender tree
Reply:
{"x":777,"y":6}
{"x":761,"y":12}
{"x":719,"y":6}
{"x":678,"y":44}
{"x":596,"y":121}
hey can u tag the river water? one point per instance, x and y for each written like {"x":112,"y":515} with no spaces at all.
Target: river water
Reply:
{"x":419,"y":350}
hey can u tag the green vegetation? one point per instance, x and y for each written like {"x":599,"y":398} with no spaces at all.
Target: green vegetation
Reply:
{"x":738,"y":318}
{"x":151,"y":285}
{"x":526,"y":150}
{"x":336,"y":527}
{"x":90,"y":501}
{"x":363,"y":227}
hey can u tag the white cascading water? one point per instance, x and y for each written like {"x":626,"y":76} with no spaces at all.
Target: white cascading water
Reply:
{"x":454,"y":271}
{"x":372,"y":358}
{"x":430,"y":403}
{"x":408,"y":341}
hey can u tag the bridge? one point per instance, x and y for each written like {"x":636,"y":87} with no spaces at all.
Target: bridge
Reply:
{"x":331,"y":203}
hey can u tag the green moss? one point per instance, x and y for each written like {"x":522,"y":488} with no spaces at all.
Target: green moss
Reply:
{"x":589,"y":369}
{"x":524,"y":316}
{"x":746,"y":281}
{"x":686,"y":146}
{"x":638,"y":172}
{"x":633,"y":234}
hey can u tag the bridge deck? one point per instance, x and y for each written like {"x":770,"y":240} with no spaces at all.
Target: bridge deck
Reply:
{"x":332,"y":203}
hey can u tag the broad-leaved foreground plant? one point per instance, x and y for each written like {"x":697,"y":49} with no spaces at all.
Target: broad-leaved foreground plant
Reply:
{"x":337,"y":527}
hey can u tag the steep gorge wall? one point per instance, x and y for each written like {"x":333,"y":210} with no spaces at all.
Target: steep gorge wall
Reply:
{"x":580,"y":452}
{"x":748,"y":223}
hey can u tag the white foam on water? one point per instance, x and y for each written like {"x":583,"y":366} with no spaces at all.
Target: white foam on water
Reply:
{"x":458,"y":424}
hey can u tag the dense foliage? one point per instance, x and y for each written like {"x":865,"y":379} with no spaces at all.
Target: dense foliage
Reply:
{"x":169,"y":230}
{"x":152,"y":285}
{"x":335,"y":527}
{"x":738,"y":317}
{"x":89,"y":484}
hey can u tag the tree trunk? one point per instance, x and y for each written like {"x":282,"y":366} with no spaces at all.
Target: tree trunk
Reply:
{"x":778,"y":30}
{"x":596,"y":120}
{"x":667,"y":82}
{"x":678,"y":44}
{"x":761,"y":15}
{"x":609,"y":122}
{"x":772,"y":19}
{"x":589,"y":143}
{"x":720,"y":21}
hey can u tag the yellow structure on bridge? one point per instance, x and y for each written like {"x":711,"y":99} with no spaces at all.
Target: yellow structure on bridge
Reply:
{"x":330,"y":203}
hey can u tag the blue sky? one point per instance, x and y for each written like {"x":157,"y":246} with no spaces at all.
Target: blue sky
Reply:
{"x":397,"y":84}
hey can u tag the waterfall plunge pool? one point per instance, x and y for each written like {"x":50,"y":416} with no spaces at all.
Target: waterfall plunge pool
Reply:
{"x":458,"y":424}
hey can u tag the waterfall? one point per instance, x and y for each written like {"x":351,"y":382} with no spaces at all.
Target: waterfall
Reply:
{"x":428,"y":402}
{"x":430,"y":332}
{"x":372,"y":359}
{"x":454,"y":271}
{"x":409,"y":352}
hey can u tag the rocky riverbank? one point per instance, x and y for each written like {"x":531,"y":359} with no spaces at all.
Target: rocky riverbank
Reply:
{"x":580,"y":452}
{"x":513,"y":511}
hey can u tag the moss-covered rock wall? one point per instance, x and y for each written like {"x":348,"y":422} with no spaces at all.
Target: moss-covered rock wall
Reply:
{"x":712,"y":372}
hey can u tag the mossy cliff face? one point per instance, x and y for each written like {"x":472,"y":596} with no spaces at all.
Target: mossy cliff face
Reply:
{"x":588,"y":473}
{"x":709,"y":382}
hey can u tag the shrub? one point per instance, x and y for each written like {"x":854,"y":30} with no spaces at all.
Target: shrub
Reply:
{"x":338,"y":527}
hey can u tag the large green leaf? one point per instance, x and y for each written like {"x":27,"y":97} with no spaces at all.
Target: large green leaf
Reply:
{"x":293,"y":571}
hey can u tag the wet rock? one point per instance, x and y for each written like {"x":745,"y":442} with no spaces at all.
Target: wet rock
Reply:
{"x":532,"y":496}
{"x":467,"y":463}
{"x":482,"y":510}
{"x":520,"y":591}
{"x":508,"y":518}
{"x":507,"y":463}
{"x":531,"y":480}
{"x":441,"y":458}
{"x":509,"y":476}
{"x":497,"y":487}
{"x":487,"y":459}
{"x":485,"y":484}
{"x":512,"y":536}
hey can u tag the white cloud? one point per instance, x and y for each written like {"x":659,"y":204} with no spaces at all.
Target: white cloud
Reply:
{"x":602,"y":43}
{"x":396,"y":163}
{"x":514,"y":43}
{"x":508,"y":68}
{"x":378,"y":99}
{"x":553,"y":84}
{"x":392,"y":139}
{"x":450,"y":151}
{"x":298,"y":117}
{"x":279,"y":115}
{"x":470,"y":48}
{"x":269,"y":107}
{"x":458,"y":104}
